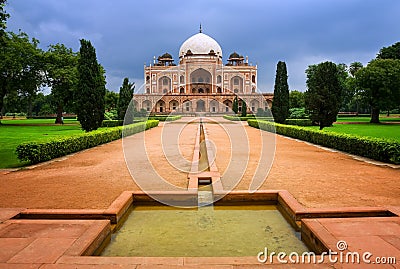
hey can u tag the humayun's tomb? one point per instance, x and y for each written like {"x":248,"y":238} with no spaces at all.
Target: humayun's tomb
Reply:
{"x":200,"y":82}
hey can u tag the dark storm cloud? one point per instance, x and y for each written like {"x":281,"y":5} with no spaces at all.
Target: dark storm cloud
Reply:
{"x":128,"y":34}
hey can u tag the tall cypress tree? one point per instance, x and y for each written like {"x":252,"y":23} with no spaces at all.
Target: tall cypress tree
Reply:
{"x":125,"y":97}
{"x":280,"y":103}
{"x":235,"y":105}
{"x":244,"y":109}
{"x":91,"y":88}
{"x":323,"y":96}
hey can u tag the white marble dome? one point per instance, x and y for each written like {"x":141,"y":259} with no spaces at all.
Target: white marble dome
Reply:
{"x":200,"y":44}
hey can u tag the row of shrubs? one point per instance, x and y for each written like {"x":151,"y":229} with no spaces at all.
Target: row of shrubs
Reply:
{"x":165,"y":117}
{"x":17,"y":114}
{"x":237,"y":118}
{"x":385,"y":150}
{"x":348,"y":115}
{"x":299,"y":122}
{"x":114,"y":123}
{"x":36,"y":152}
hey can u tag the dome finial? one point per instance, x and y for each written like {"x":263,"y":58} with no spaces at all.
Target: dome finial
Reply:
{"x":201,"y":30}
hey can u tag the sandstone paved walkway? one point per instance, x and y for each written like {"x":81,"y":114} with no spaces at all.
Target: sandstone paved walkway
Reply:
{"x":95,"y":177}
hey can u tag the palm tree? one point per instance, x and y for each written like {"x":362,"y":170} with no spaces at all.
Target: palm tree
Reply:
{"x":354,"y":67}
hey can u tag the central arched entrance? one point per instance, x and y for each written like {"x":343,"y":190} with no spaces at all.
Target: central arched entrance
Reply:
{"x":201,"y":81}
{"x":200,"y":106}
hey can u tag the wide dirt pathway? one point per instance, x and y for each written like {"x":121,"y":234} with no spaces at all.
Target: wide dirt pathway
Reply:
{"x":95,"y":177}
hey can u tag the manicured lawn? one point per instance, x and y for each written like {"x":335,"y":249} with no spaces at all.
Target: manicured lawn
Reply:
{"x":382,"y":118}
{"x":37,"y":122}
{"x":15,"y":132}
{"x":391,"y":131}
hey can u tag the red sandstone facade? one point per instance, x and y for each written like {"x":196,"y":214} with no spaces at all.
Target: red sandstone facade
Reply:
{"x":200,"y":82}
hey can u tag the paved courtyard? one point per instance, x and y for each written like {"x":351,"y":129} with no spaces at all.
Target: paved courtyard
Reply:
{"x":89,"y":182}
{"x":94,"y":178}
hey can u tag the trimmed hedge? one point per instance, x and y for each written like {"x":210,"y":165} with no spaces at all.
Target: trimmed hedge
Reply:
{"x":115,"y":123}
{"x":237,"y":118}
{"x":165,"y":118}
{"x":299,"y":122}
{"x":36,"y":152}
{"x":348,"y":115}
{"x":112,"y":123}
{"x":385,"y":150}
{"x":51,"y":117}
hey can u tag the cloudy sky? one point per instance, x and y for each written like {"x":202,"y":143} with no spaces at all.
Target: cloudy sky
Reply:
{"x":128,"y":33}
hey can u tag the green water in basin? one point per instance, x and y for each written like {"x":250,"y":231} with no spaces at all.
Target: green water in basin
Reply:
{"x":213,"y":231}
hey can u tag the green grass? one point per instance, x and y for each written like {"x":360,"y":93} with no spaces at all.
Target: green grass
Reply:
{"x":391,"y":131}
{"x":37,"y":122}
{"x":15,"y":132}
{"x":367,"y":119}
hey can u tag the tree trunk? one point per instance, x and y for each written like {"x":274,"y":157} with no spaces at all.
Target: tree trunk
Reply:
{"x":59,"y":119}
{"x":375,"y":115}
{"x":2,"y":94}
{"x":29,"y":114}
{"x":321,"y":125}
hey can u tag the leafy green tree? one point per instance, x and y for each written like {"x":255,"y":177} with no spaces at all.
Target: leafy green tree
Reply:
{"x":380,"y":84}
{"x":111,"y":105}
{"x":125,"y":97}
{"x":111,"y":100}
{"x":3,"y":26}
{"x":350,"y":98}
{"x":21,"y":63}
{"x":3,"y":19}
{"x":296,"y":99}
{"x":323,"y":96}
{"x":43,"y":105}
{"x":354,"y":67}
{"x":235,"y":105}
{"x":298,"y":113}
{"x":244,"y":109}
{"x":38,"y":102}
{"x":280,"y":103}
{"x":391,"y":52}
{"x":62,"y":75}
{"x":91,"y":88}
{"x":13,"y":103}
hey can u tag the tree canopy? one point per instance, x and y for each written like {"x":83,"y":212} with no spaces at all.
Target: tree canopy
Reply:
{"x":324,"y":91}
{"x":62,"y":75}
{"x":244,"y":109}
{"x":280,"y":103}
{"x":125,"y":97}
{"x":25,"y":69}
{"x":296,"y":99}
{"x":235,"y":105}
{"x":111,"y":100}
{"x":91,"y":89}
{"x":3,"y":19}
{"x":21,"y":66}
{"x":354,"y":67}
{"x":380,"y":85}
{"x":391,"y":52}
